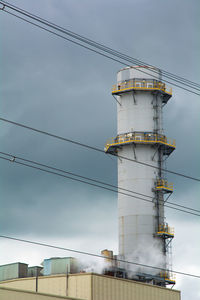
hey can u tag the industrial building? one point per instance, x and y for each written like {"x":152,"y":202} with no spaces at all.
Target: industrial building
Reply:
{"x":61,"y":283}
{"x":90,"y":286}
{"x":14,"y":270}
{"x":60,"y":265}
{"x":50,"y":266}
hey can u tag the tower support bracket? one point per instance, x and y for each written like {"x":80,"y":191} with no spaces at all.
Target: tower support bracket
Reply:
{"x":116,"y":100}
{"x":157,"y":148}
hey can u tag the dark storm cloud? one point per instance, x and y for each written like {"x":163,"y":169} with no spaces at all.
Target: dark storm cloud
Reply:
{"x":55,"y":209}
{"x":61,"y":88}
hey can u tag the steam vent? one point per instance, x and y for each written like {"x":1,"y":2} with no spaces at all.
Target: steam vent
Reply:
{"x":144,"y":235}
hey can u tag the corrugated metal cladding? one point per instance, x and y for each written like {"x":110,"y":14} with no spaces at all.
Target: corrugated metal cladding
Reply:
{"x":60,"y":265}
{"x":34,"y":271}
{"x":12,"y":294}
{"x":108,"y":288}
{"x":90,"y":286}
{"x":55,"y":285}
{"x":14,"y":270}
{"x":80,"y":286}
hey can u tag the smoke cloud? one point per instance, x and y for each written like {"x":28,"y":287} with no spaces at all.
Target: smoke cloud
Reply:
{"x":147,"y":253}
{"x":94,"y":265}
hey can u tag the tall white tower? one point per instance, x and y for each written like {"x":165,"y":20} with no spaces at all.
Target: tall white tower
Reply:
{"x":144,"y":235}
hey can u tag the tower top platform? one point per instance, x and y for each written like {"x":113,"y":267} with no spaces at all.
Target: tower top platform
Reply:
{"x":136,"y":84}
{"x":141,"y":78}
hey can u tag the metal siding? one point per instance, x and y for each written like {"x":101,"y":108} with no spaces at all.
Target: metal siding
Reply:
{"x":106,"y":288}
{"x":23,"y":270}
{"x":80,"y":286}
{"x":33,"y":271}
{"x":55,"y":285}
{"x":60,"y":265}
{"x":47,"y":267}
{"x":9,"y":294}
{"x":11,"y":271}
{"x":28,"y":284}
{"x":94,"y":287}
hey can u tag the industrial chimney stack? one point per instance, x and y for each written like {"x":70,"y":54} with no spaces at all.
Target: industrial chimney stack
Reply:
{"x":141,"y":95}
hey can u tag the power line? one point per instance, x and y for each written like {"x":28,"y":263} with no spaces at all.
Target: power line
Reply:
{"x":87,"y":41}
{"x":73,"y":34}
{"x":73,"y":174}
{"x":99,"y":45}
{"x":92,"y":184}
{"x":13,"y":156}
{"x":96,"y":149}
{"x":94,"y":255}
{"x":88,"y":48}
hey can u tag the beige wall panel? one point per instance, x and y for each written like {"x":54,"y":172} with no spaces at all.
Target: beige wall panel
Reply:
{"x":106,"y":288}
{"x":21,"y":283}
{"x":79,"y":286}
{"x":11,"y":294}
{"x":55,"y":285}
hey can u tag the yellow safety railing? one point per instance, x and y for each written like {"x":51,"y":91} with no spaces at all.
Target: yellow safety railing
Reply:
{"x":167,"y":275}
{"x":164,"y":184}
{"x":164,"y":228}
{"x":147,"y":84}
{"x":140,"y":138}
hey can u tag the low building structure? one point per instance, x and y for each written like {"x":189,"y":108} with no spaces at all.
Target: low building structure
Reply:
{"x":91,"y":286}
{"x":60,"y":265}
{"x":13,"y":270}
{"x":34,"y":271}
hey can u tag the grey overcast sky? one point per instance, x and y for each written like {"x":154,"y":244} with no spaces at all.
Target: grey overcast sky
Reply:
{"x":56,"y":86}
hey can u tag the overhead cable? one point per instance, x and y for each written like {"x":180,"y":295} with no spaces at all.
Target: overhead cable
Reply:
{"x":95,"y":51}
{"x":13,"y":160}
{"x":94,"y":255}
{"x":98,"y":45}
{"x":13,"y":156}
{"x":121,"y":62}
{"x":95,"y":45}
{"x":96,"y":149}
